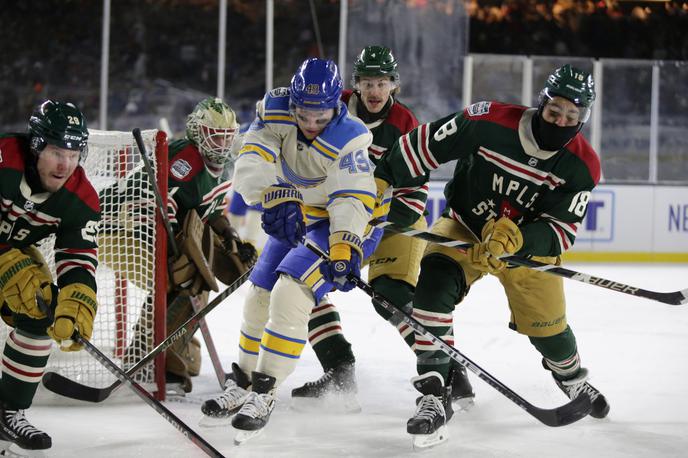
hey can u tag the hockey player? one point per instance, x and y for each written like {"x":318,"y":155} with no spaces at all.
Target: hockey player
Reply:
{"x":305,"y":159}
{"x":395,"y":264}
{"x":196,"y":192}
{"x":44,"y":191}
{"x":521,"y":186}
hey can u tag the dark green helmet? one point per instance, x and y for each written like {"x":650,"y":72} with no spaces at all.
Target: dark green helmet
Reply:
{"x":573,"y":84}
{"x":375,"y":61}
{"x":59,"y":124}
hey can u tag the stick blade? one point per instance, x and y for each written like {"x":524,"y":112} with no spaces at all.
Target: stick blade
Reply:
{"x":63,"y":386}
{"x":564,"y":415}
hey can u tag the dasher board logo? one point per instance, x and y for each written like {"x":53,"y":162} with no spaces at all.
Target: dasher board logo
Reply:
{"x":180,"y":168}
{"x":479,"y":108}
{"x":598,"y":224}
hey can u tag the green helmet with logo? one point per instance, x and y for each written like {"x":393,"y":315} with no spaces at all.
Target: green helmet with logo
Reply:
{"x":59,"y":124}
{"x":573,"y":84}
{"x":211,"y":126}
{"x":375,"y":61}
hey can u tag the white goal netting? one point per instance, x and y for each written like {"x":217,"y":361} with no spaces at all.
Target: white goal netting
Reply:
{"x":129,"y":242}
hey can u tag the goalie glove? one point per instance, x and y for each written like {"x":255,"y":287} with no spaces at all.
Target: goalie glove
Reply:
{"x":500,"y":238}
{"x":21,"y":278}
{"x":75,"y":311}
{"x":232,"y":243}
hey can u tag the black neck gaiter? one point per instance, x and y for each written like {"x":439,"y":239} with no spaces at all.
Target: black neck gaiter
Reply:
{"x":550,"y":137}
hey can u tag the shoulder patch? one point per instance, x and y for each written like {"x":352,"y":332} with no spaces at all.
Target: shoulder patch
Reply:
{"x":180,"y":169}
{"x":479,"y":108}
{"x":279,"y":92}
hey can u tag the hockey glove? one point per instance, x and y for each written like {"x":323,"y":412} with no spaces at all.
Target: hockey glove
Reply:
{"x":345,"y":258}
{"x":500,"y":238}
{"x":231,"y":243}
{"x":21,"y":278}
{"x":283,"y":213}
{"x":75,"y":311}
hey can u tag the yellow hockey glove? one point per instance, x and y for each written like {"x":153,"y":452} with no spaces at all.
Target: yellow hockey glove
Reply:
{"x":76,"y":310}
{"x":500,"y":238}
{"x":21,"y":278}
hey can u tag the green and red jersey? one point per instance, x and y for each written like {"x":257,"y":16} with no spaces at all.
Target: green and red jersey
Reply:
{"x":192,"y":186}
{"x":28,"y":215}
{"x":408,"y":203}
{"x":500,"y":171}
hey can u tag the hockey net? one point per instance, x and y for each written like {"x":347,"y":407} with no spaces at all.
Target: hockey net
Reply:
{"x":132,"y":273}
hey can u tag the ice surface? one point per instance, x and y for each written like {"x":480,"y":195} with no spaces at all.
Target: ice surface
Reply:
{"x":636,"y":350}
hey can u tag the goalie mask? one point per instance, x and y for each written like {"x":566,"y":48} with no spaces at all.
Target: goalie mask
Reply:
{"x":59,"y":124}
{"x":212,"y":126}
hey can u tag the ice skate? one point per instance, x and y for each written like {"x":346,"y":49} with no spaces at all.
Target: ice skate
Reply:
{"x":433,"y":411}
{"x":462,"y":394}
{"x":573,"y":387}
{"x":218,"y":410}
{"x":18,"y":437}
{"x":335,"y":391}
{"x":255,"y":413}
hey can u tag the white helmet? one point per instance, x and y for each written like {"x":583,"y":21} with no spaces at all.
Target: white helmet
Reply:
{"x":212,"y":126}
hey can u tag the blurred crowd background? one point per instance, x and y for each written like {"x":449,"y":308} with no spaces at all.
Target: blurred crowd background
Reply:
{"x":163,"y":57}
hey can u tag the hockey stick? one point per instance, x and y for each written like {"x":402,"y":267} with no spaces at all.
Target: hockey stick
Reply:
{"x":64,"y":386}
{"x":124,"y":378}
{"x":671,"y":298}
{"x":141,"y":392}
{"x":573,"y":411}
{"x":205,"y":332}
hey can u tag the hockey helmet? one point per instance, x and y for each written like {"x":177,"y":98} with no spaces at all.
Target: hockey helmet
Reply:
{"x":572,"y":84}
{"x":375,"y":61}
{"x":60,"y":124}
{"x":316,"y":85}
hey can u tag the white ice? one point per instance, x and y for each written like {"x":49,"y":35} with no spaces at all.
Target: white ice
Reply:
{"x":636,"y":351}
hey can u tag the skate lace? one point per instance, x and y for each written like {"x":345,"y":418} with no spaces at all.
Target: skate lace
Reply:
{"x":18,"y":422}
{"x":575,"y":390}
{"x":324,"y":379}
{"x":428,"y":407}
{"x":256,"y":405}
{"x":231,"y":396}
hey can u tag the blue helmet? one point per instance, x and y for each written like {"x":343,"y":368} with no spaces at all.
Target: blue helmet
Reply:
{"x":316,"y":85}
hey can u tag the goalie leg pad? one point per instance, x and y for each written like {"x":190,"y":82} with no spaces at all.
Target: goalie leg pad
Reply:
{"x":252,"y":326}
{"x":287,"y":329}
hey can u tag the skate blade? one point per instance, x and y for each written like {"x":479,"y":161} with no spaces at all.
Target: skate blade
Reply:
{"x":12,"y":450}
{"x":331,"y":403}
{"x":244,"y":436}
{"x":214,"y":422}
{"x":464,"y":404}
{"x":425,"y":441}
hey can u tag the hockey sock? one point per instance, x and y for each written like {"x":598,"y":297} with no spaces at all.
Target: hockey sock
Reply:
{"x":23,"y":363}
{"x":560,"y":353}
{"x":400,"y":294}
{"x":441,"y":285}
{"x":325,"y":336}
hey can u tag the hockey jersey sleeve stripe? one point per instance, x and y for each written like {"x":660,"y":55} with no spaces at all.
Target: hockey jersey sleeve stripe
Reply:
{"x":561,"y":237}
{"x":368,"y":198}
{"x":428,"y":159}
{"x":417,"y":206}
{"x":324,"y":149}
{"x":570,"y":228}
{"x":62,"y":267}
{"x":278,"y":119}
{"x":259,"y":150}
{"x":221,"y":189}
{"x":409,"y":156}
